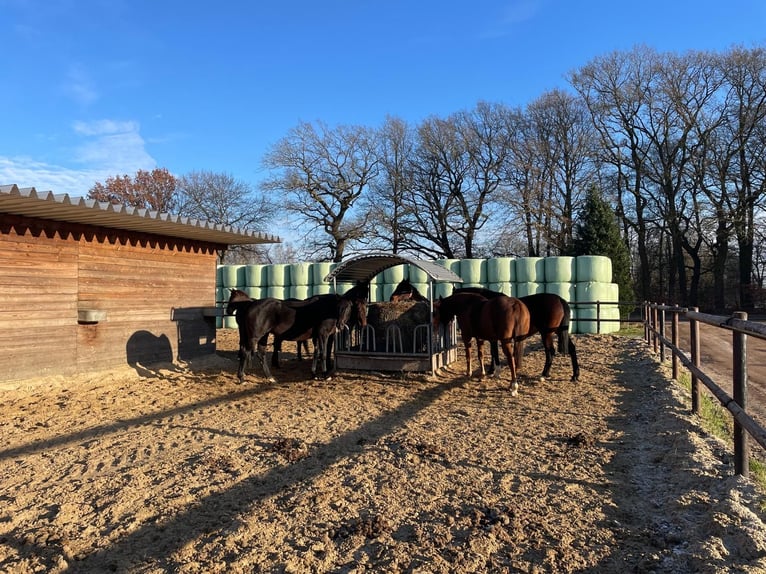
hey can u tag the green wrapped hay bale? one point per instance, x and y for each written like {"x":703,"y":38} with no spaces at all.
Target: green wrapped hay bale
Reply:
{"x":388,"y":290}
{"x":465,"y":285}
{"x":566,"y":291}
{"x":255,"y":276}
{"x":405,"y":314}
{"x":376,"y":292}
{"x":442,"y":289}
{"x":451,"y":264}
{"x":393,"y":275}
{"x":594,"y":268}
{"x":255,"y":292}
{"x":560,"y":269}
{"x":300,"y":274}
{"x":501,"y":270}
{"x":421,"y":287}
{"x":504,"y":287}
{"x":278,"y":274}
{"x":342,"y":287}
{"x":319,"y":271}
{"x":530,"y":270}
{"x":229,"y":322}
{"x":529,"y":288}
{"x":473,"y":271}
{"x":278,"y":291}
{"x":417,"y":275}
{"x":587,"y":293}
{"x":219,"y":276}
{"x":233,"y":276}
{"x":321,"y":289}
{"x":300,"y":291}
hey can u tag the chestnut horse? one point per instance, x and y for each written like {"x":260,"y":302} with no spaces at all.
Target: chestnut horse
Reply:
{"x":504,"y":320}
{"x":549,"y":316}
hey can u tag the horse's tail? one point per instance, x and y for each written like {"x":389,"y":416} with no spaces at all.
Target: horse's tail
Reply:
{"x":563,"y":330}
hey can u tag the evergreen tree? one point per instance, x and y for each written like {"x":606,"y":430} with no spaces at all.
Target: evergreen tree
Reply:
{"x":598,"y":233}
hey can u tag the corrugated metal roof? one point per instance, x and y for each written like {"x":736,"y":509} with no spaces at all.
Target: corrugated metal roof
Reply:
{"x":47,"y":205}
{"x":365,"y":267}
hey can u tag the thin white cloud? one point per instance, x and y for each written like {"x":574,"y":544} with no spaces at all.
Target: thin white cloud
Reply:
{"x":514,"y":13}
{"x":106,"y":148}
{"x":79,"y":86}
{"x":110,"y":142}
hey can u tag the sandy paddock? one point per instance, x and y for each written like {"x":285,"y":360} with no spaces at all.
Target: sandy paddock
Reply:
{"x":178,"y":468}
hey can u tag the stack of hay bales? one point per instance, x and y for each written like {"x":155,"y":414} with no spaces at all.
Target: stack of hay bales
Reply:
{"x":586,"y":278}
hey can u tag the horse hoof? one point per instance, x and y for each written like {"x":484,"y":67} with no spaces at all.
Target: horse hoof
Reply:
{"x":271,"y":380}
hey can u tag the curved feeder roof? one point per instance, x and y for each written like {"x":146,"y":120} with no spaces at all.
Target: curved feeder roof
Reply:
{"x":364,"y":267}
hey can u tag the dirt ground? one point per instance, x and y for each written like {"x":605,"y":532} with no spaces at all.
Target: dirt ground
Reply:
{"x":177,"y":468}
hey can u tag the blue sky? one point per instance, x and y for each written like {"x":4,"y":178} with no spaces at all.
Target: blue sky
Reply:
{"x":93,"y":88}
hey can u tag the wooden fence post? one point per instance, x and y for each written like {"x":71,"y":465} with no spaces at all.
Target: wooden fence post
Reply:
{"x":645,"y":317}
{"x":655,"y":323}
{"x":674,"y":340}
{"x":739,"y":372}
{"x":694,"y":341}
{"x":662,"y":334}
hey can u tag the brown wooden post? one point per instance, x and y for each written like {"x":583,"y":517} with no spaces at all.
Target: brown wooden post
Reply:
{"x":674,"y":340}
{"x":694,"y":340}
{"x":739,"y":372}
{"x":662,"y":333}
{"x":645,"y":314}
{"x":655,"y":323}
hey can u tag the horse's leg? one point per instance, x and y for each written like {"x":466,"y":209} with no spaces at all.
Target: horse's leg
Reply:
{"x":480,"y":356}
{"x":275,"y":354}
{"x":575,"y":363}
{"x":550,"y":351}
{"x":244,"y":358}
{"x":494,"y":366}
{"x":260,"y":354}
{"x":317,"y":350}
{"x":467,"y":357}
{"x":508,"y":351}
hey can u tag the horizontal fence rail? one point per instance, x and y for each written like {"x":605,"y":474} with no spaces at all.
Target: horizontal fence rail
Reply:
{"x":655,"y":332}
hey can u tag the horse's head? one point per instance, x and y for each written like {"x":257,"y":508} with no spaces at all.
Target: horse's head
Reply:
{"x":403,"y":291}
{"x":352,"y":307}
{"x":436,"y":317}
{"x":236,"y":296}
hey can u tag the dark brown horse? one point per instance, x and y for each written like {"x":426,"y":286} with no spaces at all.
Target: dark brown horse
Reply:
{"x":405,"y":291}
{"x":548,"y":315}
{"x":288,"y":321}
{"x":504,"y":320}
{"x":238,"y":299}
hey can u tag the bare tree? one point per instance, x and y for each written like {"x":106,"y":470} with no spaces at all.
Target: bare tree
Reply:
{"x":222,"y":199}
{"x":321,"y":173}
{"x":385,"y":203}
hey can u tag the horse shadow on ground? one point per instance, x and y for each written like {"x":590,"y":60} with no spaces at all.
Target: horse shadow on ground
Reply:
{"x":146,"y":351}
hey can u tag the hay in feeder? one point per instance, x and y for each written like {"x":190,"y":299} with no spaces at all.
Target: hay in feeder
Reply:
{"x":406,"y":315}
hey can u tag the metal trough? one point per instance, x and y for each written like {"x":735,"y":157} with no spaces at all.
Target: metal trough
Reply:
{"x":429,"y":351}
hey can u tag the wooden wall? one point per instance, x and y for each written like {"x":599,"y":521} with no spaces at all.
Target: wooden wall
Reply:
{"x":144,"y":283}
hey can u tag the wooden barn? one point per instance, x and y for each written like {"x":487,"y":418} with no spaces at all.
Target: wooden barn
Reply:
{"x":88,"y":286}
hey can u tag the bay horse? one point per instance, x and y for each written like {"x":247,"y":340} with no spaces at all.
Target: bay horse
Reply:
{"x":549,"y":315}
{"x":504,"y":320}
{"x":405,"y":291}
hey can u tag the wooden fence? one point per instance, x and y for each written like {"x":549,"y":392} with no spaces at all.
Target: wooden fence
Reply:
{"x":655,"y":320}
